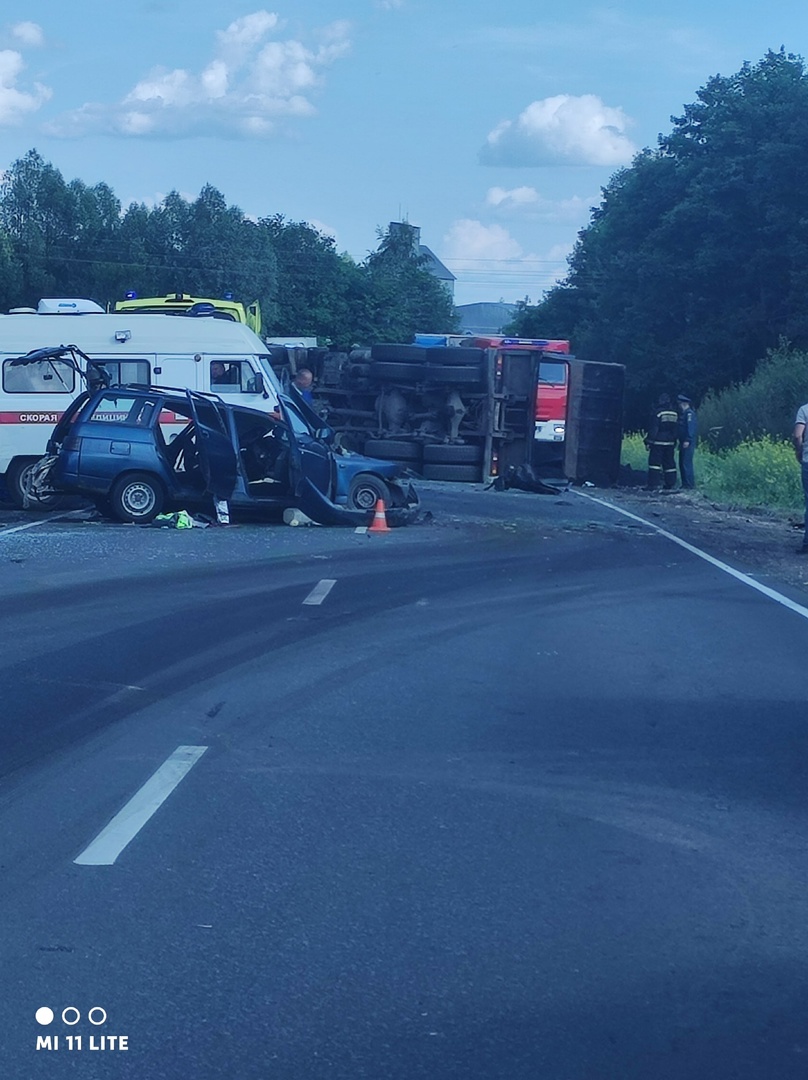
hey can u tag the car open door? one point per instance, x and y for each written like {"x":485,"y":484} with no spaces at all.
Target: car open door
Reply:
{"x":214,"y":447}
{"x":310,"y":471}
{"x":318,"y":426}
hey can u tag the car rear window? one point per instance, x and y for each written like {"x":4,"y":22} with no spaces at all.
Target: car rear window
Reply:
{"x":123,"y":409}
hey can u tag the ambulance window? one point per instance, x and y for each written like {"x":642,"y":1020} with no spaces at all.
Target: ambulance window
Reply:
{"x":232,"y":377}
{"x":122,"y":372}
{"x":43,"y":377}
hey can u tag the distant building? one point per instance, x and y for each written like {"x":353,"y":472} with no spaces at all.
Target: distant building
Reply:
{"x":484,"y":318}
{"x":432,"y":263}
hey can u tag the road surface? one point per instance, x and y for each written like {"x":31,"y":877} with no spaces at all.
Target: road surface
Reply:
{"x":516,"y":793}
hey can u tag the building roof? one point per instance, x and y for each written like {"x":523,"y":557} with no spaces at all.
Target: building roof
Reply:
{"x":434,"y":265}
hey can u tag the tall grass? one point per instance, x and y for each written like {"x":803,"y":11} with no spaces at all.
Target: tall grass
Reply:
{"x":759,"y":472}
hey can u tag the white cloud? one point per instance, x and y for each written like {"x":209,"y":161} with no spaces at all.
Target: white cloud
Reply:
{"x":250,"y":85}
{"x":245,"y":33}
{"x":389,"y":5}
{"x":521,"y":196}
{"x":489,"y":263}
{"x":526,"y":202}
{"x":469,"y":241}
{"x":561,"y":130}
{"x":28,"y":33}
{"x":15,"y":104}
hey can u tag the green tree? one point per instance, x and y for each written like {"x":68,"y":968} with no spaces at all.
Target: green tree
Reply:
{"x":315,"y":285}
{"x":696,"y":261}
{"x":68,"y":239}
{"x":402,"y":296}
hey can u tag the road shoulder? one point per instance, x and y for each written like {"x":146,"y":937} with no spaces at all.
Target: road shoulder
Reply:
{"x":760,"y":542}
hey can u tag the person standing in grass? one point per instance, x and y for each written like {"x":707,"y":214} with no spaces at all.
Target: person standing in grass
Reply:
{"x":660,"y":443}
{"x":801,"y":450}
{"x":688,"y":428}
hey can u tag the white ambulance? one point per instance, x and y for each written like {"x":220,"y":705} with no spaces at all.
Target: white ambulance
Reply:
{"x":226,"y":358}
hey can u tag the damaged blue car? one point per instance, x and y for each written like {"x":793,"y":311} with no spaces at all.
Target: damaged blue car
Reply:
{"x":136,"y":451}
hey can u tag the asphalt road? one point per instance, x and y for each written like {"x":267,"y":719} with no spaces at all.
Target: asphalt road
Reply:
{"x":519,"y":792}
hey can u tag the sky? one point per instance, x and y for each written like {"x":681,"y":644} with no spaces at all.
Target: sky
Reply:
{"x":491,"y":126}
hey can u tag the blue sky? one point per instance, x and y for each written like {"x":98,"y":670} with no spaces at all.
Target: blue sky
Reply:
{"x":491,"y":126}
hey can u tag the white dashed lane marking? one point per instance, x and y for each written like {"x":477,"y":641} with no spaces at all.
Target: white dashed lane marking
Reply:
{"x":128,"y":822}
{"x":320,"y":591}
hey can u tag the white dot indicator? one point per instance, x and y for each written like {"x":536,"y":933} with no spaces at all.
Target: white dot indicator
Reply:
{"x":98,"y":1011}
{"x":44,"y":1016}
{"x":70,"y":1015}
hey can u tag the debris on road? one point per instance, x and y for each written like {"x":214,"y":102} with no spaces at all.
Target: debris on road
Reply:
{"x":297,"y":517}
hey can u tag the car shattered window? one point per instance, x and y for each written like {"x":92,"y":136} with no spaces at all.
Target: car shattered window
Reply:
{"x":123,"y":409}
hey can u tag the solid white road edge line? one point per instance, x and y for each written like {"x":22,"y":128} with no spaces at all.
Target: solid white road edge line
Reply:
{"x":128,"y":822}
{"x":320,"y":591}
{"x":33,"y":524}
{"x":744,"y":578}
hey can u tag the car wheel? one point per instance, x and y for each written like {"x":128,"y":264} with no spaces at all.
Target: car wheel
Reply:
{"x":18,"y":483}
{"x":366,"y":490}
{"x":452,"y":454}
{"x":137,"y":497}
{"x":461,"y":473}
{"x":393,"y":449}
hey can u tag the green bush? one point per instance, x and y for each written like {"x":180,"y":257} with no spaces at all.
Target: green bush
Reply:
{"x":634,"y":453}
{"x":757,"y":472}
{"x":765,"y":404}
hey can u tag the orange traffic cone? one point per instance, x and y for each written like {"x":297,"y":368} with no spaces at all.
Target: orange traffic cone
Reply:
{"x":379,"y":519}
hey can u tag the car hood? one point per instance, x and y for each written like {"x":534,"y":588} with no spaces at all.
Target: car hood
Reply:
{"x":350,"y":465}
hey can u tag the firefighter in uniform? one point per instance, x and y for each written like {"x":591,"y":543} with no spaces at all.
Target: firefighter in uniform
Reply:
{"x":660,"y":443}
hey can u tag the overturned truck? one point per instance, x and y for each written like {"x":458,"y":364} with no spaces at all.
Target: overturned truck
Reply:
{"x":471,"y":409}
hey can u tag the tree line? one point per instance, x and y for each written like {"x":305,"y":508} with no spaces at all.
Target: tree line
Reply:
{"x":695,"y":264}
{"x":65,"y":238}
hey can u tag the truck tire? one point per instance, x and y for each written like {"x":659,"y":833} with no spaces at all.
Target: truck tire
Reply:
{"x":459,"y":473}
{"x":136,"y":497}
{"x":453,"y":355}
{"x":366,"y":490}
{"x":393,"y":449}
{"x":453,"y":376}
{"x":18,"y":485}
{"x":449,"y":454}
{"x":402,"y":354}
{"x":387,"y":371}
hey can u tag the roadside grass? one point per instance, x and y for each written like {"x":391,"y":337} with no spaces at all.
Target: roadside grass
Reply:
{"x":758,"y":472}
